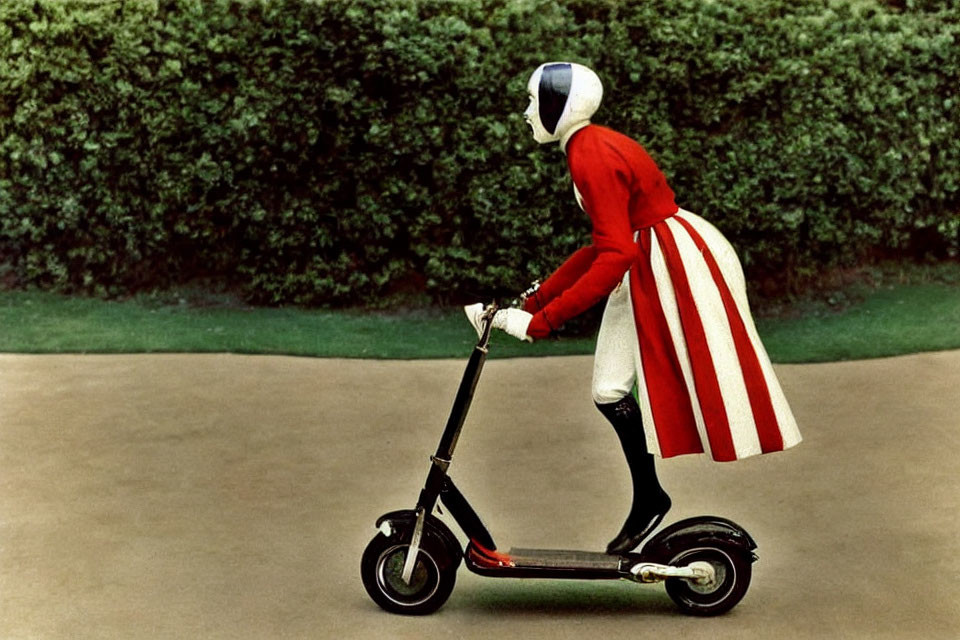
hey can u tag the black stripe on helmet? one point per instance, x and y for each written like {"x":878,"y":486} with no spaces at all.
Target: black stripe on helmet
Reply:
{"x":555,"y":81}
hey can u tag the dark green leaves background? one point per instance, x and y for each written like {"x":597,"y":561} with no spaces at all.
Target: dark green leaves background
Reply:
{"x":369,"y":151}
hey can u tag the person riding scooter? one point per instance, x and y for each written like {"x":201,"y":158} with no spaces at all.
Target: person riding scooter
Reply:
{"x":676,"y":326}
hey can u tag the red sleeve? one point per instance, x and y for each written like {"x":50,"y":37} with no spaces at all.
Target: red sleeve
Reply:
{"x":603,"y":179}
{"x":561,"y":279}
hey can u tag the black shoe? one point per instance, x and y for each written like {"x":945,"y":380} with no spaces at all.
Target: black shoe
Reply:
{"x":640,"y":523}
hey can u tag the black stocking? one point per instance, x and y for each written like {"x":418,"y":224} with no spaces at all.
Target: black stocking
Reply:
{"x":650,"y":501}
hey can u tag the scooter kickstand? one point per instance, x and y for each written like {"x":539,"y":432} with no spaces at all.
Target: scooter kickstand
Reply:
{"x":698,"y":572}
{"x":414,"y":549}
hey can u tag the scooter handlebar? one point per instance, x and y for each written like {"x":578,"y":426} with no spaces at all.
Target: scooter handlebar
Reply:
{"x":481,"y":318}
{"x":531,"y":291}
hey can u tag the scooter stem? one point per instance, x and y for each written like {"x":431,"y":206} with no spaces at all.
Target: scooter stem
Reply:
{"x":448,"y":442}
{"x":468,"y":385}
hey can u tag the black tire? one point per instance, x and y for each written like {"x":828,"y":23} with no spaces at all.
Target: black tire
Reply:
{"x":434,"y":574}
{"x":733,"y":569}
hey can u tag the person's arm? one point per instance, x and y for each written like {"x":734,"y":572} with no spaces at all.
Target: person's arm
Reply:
{"x":568,"y":273}
{"x":603,"y":181}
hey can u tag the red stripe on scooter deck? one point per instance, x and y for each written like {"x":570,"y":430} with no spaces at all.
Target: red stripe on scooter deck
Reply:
{"x":564,"y":559}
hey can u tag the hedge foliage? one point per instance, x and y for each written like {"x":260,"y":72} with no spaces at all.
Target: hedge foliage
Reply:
{"x":358,"y":151}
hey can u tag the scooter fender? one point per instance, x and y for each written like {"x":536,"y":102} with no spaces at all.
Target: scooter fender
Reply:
{"x":401,"y":524}
{"x":698,"y":531}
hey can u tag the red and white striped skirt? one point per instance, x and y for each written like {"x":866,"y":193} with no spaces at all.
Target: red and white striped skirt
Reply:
{"x":704,"y":379}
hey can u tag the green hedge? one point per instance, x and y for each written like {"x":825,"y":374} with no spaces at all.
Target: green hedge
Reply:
{"x":362,"y":151}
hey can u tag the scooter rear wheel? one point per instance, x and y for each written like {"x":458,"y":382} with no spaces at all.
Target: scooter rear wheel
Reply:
{"x":381,"y":569}
{"x":732,"y":570}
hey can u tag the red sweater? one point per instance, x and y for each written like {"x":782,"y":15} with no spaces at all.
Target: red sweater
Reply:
{"x":622,"y":191}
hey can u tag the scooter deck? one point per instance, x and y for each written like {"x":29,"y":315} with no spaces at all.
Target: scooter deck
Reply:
{"x":564,"y":559}
{"x":546,"y":563}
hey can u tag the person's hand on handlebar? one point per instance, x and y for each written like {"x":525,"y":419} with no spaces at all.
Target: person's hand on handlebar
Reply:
{"x":512,"y":321}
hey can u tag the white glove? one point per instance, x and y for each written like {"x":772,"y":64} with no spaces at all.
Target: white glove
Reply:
{"x":514,"y":322}
{"x":474,"y":314}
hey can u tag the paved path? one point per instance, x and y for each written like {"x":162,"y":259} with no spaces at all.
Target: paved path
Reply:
{"x":222,"y":496}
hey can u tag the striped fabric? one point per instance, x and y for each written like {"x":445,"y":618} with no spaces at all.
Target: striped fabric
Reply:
{"x":704,"y":379}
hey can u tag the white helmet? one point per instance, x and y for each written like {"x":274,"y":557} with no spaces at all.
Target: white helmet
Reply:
{"x":563,"y":97}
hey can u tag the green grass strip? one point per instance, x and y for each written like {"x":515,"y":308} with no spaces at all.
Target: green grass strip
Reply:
{"x":48,"y":323}
{"x":888,"y":321}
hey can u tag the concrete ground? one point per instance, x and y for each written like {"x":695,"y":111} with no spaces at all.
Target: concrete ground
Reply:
{"x":223,"y":496}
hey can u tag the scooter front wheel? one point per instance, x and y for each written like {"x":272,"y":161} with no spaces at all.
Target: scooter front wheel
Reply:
{"x":731,"y":570}
{"x":381,"y":569}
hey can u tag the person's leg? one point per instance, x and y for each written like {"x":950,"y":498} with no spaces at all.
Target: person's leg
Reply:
{"x":614,"y":375}
{"x":614,"y":362}
{"x":650,"y":501}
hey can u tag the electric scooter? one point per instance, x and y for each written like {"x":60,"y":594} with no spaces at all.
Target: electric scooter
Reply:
{"x":410,"y":566}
